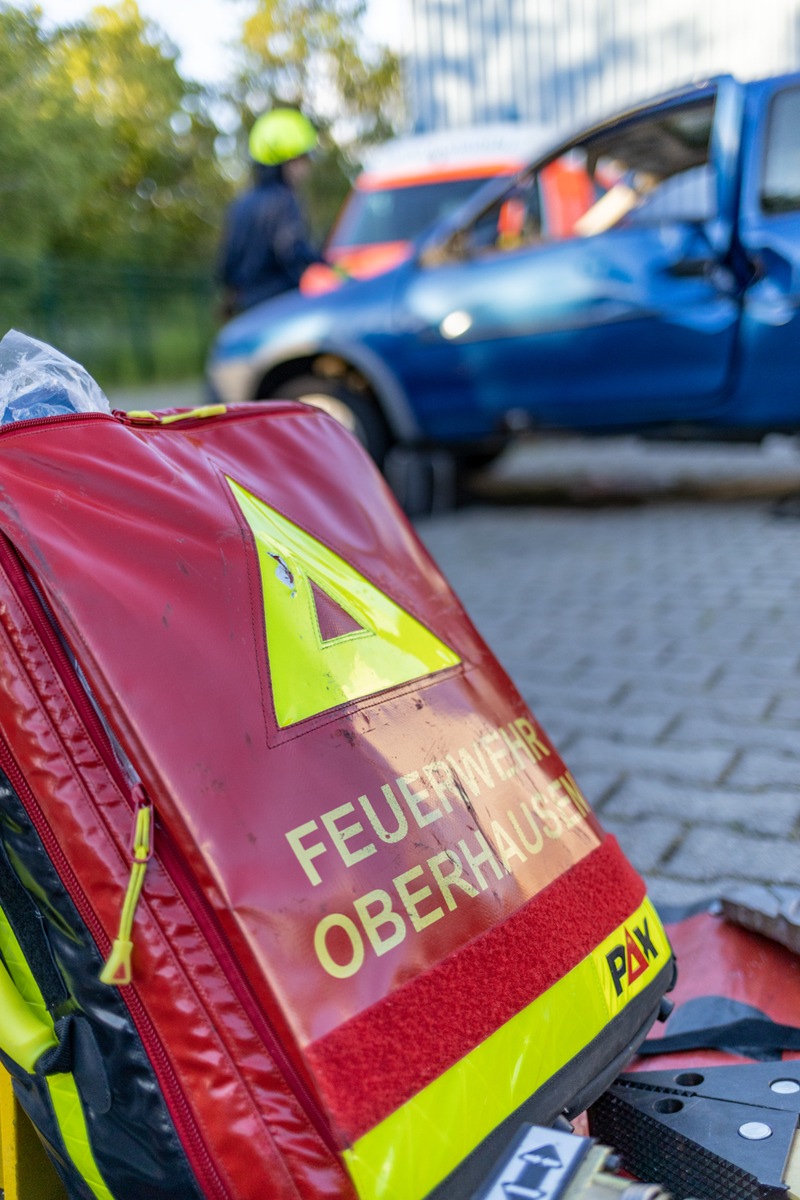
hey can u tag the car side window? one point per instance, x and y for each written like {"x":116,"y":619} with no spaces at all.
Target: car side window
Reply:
{"x":780,"y":183}
{"x":688,"y":196}
{"x":653,"y":171}
{"x":647,"y":171}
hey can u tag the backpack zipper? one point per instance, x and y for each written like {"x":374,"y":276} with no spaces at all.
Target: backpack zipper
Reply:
{"x":190,"y":1135}
{"x":197,"y":1151}
{"x":169,"y":853}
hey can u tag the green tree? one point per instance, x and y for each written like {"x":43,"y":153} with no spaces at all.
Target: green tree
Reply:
{"x":154,"y":192}
{"x":41,"y":132}
{"x":308,"y":53}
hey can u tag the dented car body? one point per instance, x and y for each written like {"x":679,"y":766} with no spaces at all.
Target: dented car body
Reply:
{"x":643,"y":275}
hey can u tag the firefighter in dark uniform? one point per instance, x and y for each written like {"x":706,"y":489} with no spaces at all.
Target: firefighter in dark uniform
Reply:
{"x":265,"y":245}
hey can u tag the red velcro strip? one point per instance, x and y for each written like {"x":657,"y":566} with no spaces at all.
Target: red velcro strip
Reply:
{"x":375,"y":1062}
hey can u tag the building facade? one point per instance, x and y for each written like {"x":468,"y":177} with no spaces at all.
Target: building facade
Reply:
{"x":561,"y":62}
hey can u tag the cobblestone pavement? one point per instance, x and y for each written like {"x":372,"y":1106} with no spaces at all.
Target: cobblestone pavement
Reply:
{"x":659,"y":645}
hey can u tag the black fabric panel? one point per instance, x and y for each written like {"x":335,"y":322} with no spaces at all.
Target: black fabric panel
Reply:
{"x":26,"y":921}
{"x":751,"y":1037}
{"x":132,"y":1135}
{"x":77,"y":1052}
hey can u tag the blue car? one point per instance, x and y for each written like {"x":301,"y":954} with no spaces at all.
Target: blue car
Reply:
{"x":641,"y":276}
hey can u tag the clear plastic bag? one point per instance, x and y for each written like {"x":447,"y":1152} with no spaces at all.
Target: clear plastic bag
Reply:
{"x":38,"y":381}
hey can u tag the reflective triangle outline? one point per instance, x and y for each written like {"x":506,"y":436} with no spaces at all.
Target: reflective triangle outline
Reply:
{"x":310,"y":675}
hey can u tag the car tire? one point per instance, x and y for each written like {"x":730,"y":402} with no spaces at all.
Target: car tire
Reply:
{"x":356,"y":413}
{"x":478,"y":460}
{"x":424,"y":481}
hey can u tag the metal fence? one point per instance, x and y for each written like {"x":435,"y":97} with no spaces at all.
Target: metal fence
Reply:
{"x":124,"y":324}
{"x":563,"y":62}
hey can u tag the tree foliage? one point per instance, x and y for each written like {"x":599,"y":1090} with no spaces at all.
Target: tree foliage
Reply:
{"x":108,"y":154}
{"x":40,"y":126}
{"x":157,"y":192}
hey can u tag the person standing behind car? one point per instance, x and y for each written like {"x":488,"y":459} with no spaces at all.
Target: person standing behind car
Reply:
{"x":265,"y":245}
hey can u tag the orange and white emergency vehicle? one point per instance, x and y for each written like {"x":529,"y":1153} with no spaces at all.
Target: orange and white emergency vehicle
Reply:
{"x":405,"y":186}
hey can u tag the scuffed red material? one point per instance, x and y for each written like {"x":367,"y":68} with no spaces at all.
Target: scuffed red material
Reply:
{"x":375,"y":1062}
{"x":134,"y":538}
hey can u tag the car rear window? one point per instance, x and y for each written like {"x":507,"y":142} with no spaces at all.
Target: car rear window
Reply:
{"x":401,"y":213}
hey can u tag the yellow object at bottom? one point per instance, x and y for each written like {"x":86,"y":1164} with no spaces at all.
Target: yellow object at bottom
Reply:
{"x":25,"y":1170}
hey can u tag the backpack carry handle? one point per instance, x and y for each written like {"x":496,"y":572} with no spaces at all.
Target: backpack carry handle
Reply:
{"x":24,"y":1037}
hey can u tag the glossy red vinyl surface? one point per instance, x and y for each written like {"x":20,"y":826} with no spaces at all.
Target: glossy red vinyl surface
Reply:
{"x":210,"y":1059}
{"x":134,"y":536}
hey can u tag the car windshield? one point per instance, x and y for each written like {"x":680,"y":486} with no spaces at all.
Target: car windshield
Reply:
{"x":398,"y":214}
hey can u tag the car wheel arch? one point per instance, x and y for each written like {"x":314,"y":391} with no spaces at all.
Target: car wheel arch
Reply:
{"x":360,"y":369}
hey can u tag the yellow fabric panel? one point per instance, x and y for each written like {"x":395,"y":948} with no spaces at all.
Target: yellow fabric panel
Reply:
{"x":309,"y":674}
{"x":72,"y":1124}
{"x":417,"y":1146}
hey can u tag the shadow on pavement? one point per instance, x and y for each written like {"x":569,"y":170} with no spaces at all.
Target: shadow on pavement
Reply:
{"x":628,"y":471}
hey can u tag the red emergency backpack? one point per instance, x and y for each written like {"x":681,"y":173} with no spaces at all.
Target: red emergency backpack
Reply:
{"x":354,"y":918}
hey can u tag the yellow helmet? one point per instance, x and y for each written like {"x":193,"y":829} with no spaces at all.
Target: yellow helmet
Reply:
{"x":280,"y":135}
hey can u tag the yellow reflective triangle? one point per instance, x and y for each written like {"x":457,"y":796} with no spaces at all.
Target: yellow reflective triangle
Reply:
{"x":314,"y":669}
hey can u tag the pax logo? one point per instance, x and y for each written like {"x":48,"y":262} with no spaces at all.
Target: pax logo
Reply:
{"x":627,"y":962}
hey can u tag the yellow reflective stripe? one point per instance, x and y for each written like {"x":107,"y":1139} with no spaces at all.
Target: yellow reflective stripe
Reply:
{"x":416,"y":1147}
{"x":383,"y":646}
{"x":72,"y":1125}
{"x":63,"y":1089}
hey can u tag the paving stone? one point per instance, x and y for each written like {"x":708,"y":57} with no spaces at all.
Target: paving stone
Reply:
{"x":584,"y":695}
{"x":761,"y":769}
{"x":607,"y":721}
{"x":669,"y":893}
{"x":704,"y":765}
{"x":596,"y":786}
{"x":739,"y":705}
{"x":772,"y":812}
{"x":736,"y":702}
{"x":711,"y":854}
{"x":644,"y":841}
{"x":786,"y":707}
{"x":697,"y":729}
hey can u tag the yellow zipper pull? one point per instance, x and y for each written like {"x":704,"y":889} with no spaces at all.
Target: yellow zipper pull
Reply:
{"x":117,"y":970}
{"x":141,"y":416}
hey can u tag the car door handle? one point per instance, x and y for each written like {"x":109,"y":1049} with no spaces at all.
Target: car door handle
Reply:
{"x":691,"y":268}
{"x":720,"y":277}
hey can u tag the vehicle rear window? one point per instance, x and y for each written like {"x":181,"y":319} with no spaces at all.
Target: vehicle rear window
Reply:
{"x":780,"y":184}
{"x":401,"y":213}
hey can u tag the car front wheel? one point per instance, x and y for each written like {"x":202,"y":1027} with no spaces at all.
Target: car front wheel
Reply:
{"x":357,"y":413}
